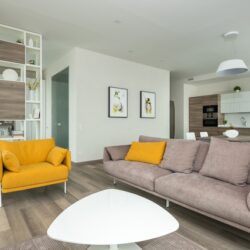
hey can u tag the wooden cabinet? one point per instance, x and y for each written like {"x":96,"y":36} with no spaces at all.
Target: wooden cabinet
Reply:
{"x":12,"y":100}
{"x":12,"y":52}
{"x":235,"y":102}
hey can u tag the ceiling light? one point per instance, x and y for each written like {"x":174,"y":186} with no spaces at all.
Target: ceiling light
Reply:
{"x":232,"y":66}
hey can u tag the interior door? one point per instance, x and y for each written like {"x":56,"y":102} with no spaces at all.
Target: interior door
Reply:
{"x":60,"y":108}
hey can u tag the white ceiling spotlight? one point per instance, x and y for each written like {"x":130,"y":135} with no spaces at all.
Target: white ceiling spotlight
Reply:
{"x":232,"y":66}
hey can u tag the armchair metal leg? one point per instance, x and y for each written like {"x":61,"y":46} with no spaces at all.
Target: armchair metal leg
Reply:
{"x":114,"y":181}
{"x":65,"y":187}
{"x":0,"y":195}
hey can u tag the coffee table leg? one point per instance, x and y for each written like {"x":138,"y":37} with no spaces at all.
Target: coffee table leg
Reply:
{"x":113,"y":247}
{"x":131,"y":246}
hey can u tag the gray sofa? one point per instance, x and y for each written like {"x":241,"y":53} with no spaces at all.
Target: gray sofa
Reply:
{"x":217,"y":199}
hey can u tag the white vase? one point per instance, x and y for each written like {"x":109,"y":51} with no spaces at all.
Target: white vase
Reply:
{"x":32,"y":95}
{"x":31,"y":43}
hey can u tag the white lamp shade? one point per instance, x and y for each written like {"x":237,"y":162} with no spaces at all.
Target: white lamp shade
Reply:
{"x":231,"y":67}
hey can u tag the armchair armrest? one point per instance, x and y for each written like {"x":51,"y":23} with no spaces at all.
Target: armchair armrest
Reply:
{"x":67,"y":160}
{"x":115,"y":153}
{"x":1,"y":167}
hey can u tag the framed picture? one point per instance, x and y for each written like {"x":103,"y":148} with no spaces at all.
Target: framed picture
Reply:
{"x":118,"y":102}
{"x":147,"y":104}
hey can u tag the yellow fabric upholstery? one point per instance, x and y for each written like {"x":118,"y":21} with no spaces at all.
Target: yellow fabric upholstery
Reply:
{"x":35,"y":171}
{"x":10,"y":161}
{"x":28,"y":152}
{"x":34,"y":174}
{"x":1,"y":168}
{"x":56,"y":155}
{"x":149,"y":152}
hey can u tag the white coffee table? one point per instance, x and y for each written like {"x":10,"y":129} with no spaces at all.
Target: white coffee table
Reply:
{"x":112,"y":218}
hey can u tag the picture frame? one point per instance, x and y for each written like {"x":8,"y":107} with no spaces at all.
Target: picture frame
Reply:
{"x":147,"y":104}
{"x":117,"y":102}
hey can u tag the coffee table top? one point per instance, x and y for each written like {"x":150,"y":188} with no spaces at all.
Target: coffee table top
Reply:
{"x":112,"y":217}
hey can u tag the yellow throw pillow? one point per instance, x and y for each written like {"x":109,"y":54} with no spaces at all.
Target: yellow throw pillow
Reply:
{"x":149,"y":152}
{"x":10,"y":161}
{"x":56,"y":155}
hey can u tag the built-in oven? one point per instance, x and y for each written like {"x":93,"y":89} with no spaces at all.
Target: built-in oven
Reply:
{"x":210,"y":116}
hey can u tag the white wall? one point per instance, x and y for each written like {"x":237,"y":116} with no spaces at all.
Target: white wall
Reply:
{"x":90,"y":75}
{"x":209,"y":89}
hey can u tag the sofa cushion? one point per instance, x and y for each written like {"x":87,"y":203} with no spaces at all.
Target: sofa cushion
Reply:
{"x":28,"y":152}
{"x":201,"y":155}
{"x":34,"y":174}
{"x":10,"y":161}
{"x":180,"y":155}
{"x":138,"y":173}
{"x":227,"y":161}
{"x":148,"y":152}
{"x":56,"y":155}
{"x":118,"y":152}
{"x":143,"y":138}
{"x":209,"y":195}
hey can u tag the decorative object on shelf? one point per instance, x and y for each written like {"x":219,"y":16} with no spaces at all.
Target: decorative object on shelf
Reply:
{"x":31,"y":42}
{"x":32,"y":86}
{"x":237,"y":89}
{"x":19,"y":41}
{"x":118,"y":102}
{"x":224,"y":122}
{"x":10,"y":75}
{"x":232,"y":66}
{"x":36,"y":113}
{"x":147,"y":104}
{"x":32,"y":62}
{"x":243,"y":121}
{"x":231,"y":133}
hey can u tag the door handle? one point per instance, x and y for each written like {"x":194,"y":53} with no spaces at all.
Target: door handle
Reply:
{"x":59,"y":124}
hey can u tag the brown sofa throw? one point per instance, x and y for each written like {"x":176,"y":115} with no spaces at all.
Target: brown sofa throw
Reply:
{"x":179,"y":155}
{"x":227,"y":161}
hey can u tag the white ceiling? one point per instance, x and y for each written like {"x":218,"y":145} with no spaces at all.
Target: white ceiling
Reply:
{"x":181,"y":35}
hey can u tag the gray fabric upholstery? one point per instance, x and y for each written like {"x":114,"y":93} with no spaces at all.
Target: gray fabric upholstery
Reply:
{"x":248,"y":201}
{"x":227,"y":161}
{"x":207,"y":194}
{"x":248,"y":179}
{"x":118,"y":152}
{"x":180,"y":155}
{"x":138,"y":173}
{"x":201,"y":156}
{"x":144,"y":138}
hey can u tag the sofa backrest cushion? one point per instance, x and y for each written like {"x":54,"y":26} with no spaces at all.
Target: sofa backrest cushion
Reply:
{"x":180,"y":155}
{"x":227,"y":161}
{"x":118,"y":152}
{"x":143,"y":138}
{"x":28,"y":152}
{"x":201,"y":155}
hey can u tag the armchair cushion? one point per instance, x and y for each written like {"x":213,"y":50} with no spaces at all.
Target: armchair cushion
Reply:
{"x":34,"y":174}
{"x":56,"y":155}
{"x":10,"y":161}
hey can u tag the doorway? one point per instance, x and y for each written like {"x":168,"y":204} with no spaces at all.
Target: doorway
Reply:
{"x":60,"y":108}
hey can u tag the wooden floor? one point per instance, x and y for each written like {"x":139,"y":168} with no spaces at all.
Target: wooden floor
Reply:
{"x":28,"y":214}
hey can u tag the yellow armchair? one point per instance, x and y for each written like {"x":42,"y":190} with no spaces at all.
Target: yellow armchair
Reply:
{"x":35,"y":170}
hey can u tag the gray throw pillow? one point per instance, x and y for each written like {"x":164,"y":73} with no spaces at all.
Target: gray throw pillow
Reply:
{"x":179,"y":155}
{"x":118,"y":152}
{"x":227,"y":161}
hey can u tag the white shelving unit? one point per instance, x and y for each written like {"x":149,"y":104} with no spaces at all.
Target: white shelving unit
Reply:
{"x":29,"y":72}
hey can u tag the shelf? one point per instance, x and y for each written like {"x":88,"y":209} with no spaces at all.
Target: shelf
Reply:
{"x":33,"y":120}
{"x":33,"y":48}
{"x":32,"y":102}
{"x":12,"y":138}
{"x":9,"y":82}
{"x":32,"y":66}
{"x":11,"y":64}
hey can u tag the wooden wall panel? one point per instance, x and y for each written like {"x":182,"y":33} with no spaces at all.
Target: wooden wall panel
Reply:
{"x":12,"y":52}
{"x":12,"y":100}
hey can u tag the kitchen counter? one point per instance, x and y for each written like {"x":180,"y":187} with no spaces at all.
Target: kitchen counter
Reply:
{"x":240,"y":138}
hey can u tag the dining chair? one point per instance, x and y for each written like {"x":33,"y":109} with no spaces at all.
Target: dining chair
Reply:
{"x":190,"y":136}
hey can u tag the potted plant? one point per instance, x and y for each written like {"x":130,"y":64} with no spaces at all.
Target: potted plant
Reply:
{"x":237,"y":89}
{"x":224,"y":122}
{"x":32,"y":86}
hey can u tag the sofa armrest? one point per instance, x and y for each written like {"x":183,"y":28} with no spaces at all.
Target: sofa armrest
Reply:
{"x":248,"y":201}
{"x":115,"y":153}
{"x":67,"y":160}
